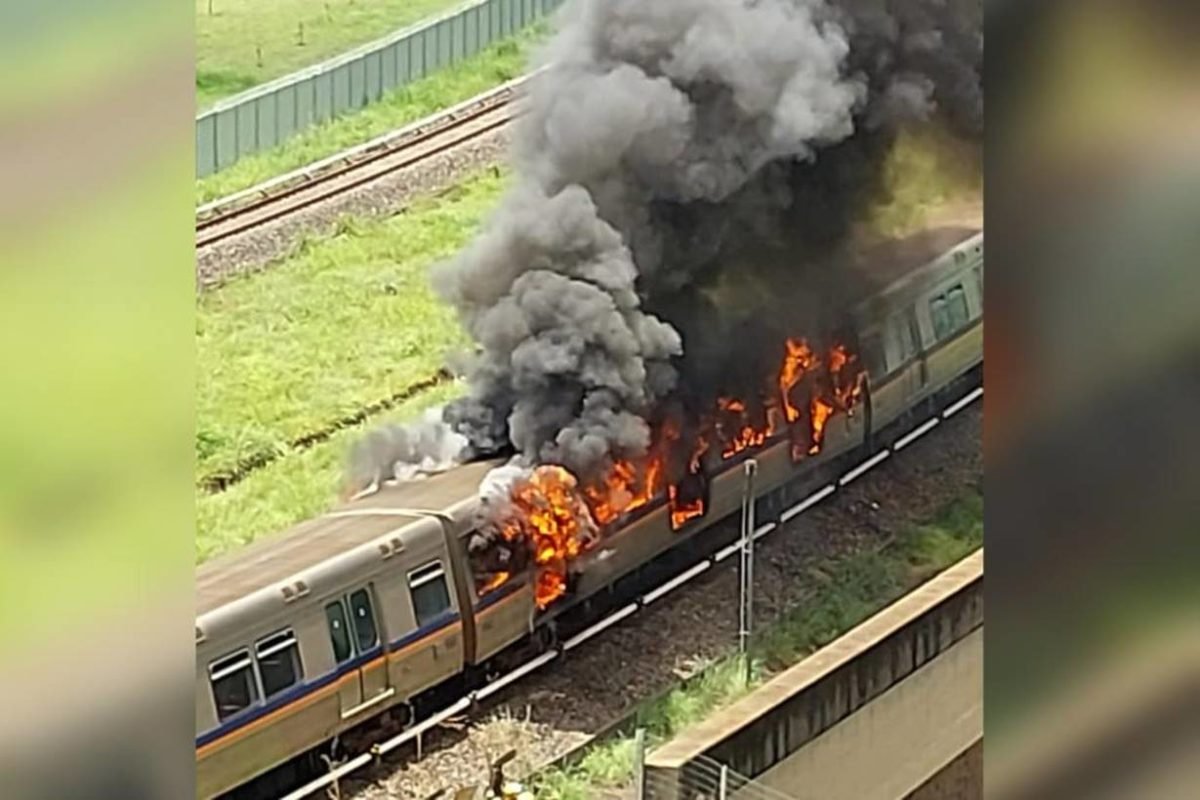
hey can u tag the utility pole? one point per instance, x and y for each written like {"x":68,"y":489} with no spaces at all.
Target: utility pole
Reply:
{"x":746,"y":604}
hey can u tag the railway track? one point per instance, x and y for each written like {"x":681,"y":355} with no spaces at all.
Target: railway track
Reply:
{"x":637,"y":604}
{"x":354,"y":168}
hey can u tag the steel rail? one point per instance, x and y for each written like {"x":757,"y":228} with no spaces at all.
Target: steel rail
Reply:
{"x":358,"y":165}
{"x":629,"y":609}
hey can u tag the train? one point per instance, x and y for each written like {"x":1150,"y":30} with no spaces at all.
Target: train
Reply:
{"x":371,"y":610}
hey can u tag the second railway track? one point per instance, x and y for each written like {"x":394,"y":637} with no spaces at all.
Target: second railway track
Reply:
{"x":349,"y":170}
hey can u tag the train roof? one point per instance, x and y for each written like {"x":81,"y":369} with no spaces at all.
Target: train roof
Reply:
{"x":878,"y":265}
{"x":277,"y":558}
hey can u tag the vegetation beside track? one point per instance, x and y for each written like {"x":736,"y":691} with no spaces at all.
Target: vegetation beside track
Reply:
{"x":500,"y":63}
{"x":243,"y":43}
{"x":852,"y":589}
{"x":295,"y":488}
{"x":348,"y":321}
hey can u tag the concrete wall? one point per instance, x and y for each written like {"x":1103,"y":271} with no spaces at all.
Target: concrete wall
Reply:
{"x":764,"y":729}
{"x":961,"y":779}
{"x":894,"y":744}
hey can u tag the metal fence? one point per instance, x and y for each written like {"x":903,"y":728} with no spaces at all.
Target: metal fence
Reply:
{"x":707,"y":779}
{"x":267,"y":115}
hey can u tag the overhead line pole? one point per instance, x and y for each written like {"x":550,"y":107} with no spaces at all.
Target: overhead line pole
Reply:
{"x":746,"y":583}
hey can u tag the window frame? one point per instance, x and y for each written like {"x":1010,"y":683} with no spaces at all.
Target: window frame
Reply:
{"x":416,"y":579}
{"x":340,"y":603}
{"x":906,"y":334}
{"x":360,"y":649}
{"x":914,"y":331}
{"x":255,"y":683}
{"x":936,"y":302}
{"x":297,"y":660}
{"x":873,"y":349}
{"x":958,"y":291}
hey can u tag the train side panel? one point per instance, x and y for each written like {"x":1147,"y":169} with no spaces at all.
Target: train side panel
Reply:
{"x":956,"y":356}
{"x":921,"y":336}
{"x":278,"y":727}
{"x":335,"y":692}
{"x":650,"y":535}
{"x":503,"y":616}
{"x":428,"y":646}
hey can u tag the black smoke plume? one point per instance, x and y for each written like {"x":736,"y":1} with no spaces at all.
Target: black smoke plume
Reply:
{"x":674,"y":146}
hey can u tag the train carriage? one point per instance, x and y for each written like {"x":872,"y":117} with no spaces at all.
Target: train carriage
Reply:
{"x":372,"y":607}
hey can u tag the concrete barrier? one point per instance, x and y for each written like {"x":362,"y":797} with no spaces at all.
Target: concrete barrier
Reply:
{"x":763,"y":729}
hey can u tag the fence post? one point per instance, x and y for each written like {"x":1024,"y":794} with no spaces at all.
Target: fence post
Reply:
{"x":639,"y":763}
{"x":723,"y":789}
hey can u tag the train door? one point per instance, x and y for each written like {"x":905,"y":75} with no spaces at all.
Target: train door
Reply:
{"x":921,"y":374}
{"x":354,"y":634}
{"x":906,"y":361}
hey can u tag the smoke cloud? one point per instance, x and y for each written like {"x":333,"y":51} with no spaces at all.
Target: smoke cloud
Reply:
{"x":666,"y":140}
{"x":404,"y":452}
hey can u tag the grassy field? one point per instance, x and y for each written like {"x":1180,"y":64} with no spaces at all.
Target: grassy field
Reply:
{"x":242,"y":43}
{"x":498,"y":64}
{"x":854,"y":588}
{"x":290,"y":490}
{"x":348,"y":321}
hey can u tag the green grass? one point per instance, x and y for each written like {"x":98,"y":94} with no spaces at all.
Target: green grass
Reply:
{"x":852,"y":588}
{"x":498,"y":64}
{"x":297,"y":487}
{"x":348,"y":321}
{"x":243,"y":43}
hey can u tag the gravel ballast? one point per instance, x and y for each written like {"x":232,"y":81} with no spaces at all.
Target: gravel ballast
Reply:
{"x":269,"y":244}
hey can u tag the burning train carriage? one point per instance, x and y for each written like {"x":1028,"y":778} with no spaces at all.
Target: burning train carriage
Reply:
{"x":383,"y":602}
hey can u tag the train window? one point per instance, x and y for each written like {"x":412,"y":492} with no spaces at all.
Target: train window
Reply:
{"x":872,"y":348}
{"x":339,"y":632}
{"x":233,"y":684}
{"x":904,"y":336}
{"x":941,"y":316}
{"x":956,"y":302}
{"x":430,"y":597}
{"x":914,"y":331}
{"x":279,"y":666}
{"x":365,"y":634}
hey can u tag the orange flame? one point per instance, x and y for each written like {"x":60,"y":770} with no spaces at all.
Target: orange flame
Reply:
{"x":694,"y":465}
{"x":798,"y":359}
{"x":847,"y":388}
{"x":557,"y":520}
{"x":681,"y":512}
{"x":821,"y":412}
{"x":494,"y":582}
{"x":625,"y":488}
{"x":746,"y":434}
